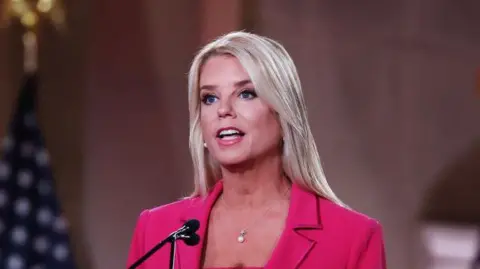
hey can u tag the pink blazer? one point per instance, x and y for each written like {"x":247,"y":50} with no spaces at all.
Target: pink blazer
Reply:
{"x":318,"y":234}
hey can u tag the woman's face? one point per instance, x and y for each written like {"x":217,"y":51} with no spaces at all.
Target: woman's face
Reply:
{"x":237,"y":126}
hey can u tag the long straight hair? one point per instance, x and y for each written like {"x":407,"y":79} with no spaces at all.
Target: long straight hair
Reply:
{"x":275,"y":77}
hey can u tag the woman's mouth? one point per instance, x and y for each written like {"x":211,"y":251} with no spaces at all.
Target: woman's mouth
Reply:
{"x":229,"y":136}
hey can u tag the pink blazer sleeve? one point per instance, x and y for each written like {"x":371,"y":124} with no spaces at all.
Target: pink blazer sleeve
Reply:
{"x":369,"y":251}
{"x":137,"y":245}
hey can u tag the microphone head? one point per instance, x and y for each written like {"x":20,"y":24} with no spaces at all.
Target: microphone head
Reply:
{"x":192,"y":225}
{"x":191,"y":239}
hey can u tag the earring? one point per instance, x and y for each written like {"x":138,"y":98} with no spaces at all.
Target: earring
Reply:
{"x":204,"y":145}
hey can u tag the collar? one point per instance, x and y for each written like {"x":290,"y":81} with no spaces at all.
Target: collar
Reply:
{"x":303,"y":212}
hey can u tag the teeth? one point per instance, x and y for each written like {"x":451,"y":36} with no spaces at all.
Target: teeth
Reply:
{"x":229,"y":132}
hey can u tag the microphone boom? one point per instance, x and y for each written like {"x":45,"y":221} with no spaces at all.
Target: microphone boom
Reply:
{"x":185,"y":233}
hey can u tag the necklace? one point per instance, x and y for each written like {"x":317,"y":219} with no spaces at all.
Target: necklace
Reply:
{"x":243,"y":232}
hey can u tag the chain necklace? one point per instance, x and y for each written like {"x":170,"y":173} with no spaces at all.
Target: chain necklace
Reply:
{"x":243,"y":232}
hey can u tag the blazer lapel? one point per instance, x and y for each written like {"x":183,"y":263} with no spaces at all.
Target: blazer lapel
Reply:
{"x":301,"y":231}
{"x":189,"y":257}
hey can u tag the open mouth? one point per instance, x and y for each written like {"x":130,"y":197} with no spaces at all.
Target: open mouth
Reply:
{"x":229,"y":133}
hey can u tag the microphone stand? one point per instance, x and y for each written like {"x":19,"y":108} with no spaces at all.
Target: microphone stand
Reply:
{"x":190,"y":238}
{"x":153,"y":250}
{"x":173,"y":248}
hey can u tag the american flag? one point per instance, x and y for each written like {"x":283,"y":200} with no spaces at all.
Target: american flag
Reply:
{"x":33,"y":232}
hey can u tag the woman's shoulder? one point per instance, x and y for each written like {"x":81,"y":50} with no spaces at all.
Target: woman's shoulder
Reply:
{"x":157,"y":222}
{"x":172,"y":210}
{"x":356,"y":234}
{"x":331,"y":214}
{"x":336,"y":215}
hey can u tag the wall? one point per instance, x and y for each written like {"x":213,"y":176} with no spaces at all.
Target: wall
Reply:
{"x":391,"y":91}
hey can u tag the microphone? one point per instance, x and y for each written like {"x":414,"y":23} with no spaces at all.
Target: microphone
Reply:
{"x":190,"y":240}
{"x":190,"y":227}
{"x":185,"y":233}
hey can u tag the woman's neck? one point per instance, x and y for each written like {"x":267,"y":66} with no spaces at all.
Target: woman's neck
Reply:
{"x":256,"y":187}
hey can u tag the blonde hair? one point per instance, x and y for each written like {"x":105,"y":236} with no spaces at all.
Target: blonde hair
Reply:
{"x":276,"y":81}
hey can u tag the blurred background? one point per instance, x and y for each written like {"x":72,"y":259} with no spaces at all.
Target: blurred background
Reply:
{"x":393,"y":91}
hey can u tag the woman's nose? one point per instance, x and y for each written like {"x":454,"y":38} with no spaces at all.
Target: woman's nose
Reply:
{"x":225,"y":109}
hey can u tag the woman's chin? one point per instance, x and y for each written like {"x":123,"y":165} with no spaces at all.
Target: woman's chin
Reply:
{"x":235,"y":163}
{"x":231,"y":162}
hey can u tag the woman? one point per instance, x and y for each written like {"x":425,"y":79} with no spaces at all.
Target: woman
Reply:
{"x":260,"y":193}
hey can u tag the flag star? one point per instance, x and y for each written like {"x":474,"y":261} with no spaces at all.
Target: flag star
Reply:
{"x":44,"y":216}
{"x":19,"y":235}
{"x":25,"y":178}
{"x":41,"y":244}
{"x":42,"y":157}
{"x":4,"y":170}
{"x":14,"y":261}
{"x":60,"y":252}
{"x":60,"y":224}
{"x":22,"y":207}
{"x":3,"y":198}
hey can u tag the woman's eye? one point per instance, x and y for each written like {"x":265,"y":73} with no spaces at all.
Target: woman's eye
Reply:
{"x":248,"y":94}
{"x":208,"y":99}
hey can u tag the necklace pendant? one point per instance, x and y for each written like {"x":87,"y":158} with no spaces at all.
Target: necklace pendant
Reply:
{"x":241,"y":237}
